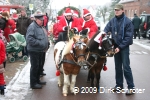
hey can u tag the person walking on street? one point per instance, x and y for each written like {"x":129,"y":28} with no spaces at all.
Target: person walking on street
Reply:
{"x":136,"y":22}
{"x":37,"y":43}
{"x":22,"y":24}
{"x":122,"y":28}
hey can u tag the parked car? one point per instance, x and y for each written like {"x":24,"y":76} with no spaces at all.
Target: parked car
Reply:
{"x":145,"y":25}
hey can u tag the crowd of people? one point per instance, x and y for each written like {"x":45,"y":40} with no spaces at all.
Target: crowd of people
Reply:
{"x":35,"y":31}
{"x":9,"y":24}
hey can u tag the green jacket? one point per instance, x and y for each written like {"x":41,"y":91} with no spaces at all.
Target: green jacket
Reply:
{"x":136,"y":22}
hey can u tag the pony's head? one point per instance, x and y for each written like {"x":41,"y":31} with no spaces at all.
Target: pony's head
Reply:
{"x":108,"y":45}
{"x":80,"y":50}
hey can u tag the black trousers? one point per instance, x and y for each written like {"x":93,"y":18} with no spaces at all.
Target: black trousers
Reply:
{"x":43,"y":61}
{"x":136,"y":32}
{"x":36,"y":62}
{"x":24,"y":51}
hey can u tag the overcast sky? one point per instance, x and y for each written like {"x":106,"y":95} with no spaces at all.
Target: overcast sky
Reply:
{"x":59,"y":4}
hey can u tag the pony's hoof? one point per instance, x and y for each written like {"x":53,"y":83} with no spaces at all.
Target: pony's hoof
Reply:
{"x":74,"y":93}
{"x":65,"y":94}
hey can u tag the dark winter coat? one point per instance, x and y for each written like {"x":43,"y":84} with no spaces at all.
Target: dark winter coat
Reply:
{"x":2,"y":23}
{"x":22,"y":24}
{"x":136,"y":22}
{"x":124,"y":29}
{"x":36,"y":38}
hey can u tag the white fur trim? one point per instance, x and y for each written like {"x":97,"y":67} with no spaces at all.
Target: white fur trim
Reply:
{"x":98,"y":36}
{"x":66,"y":14}
{"x":64,"y":28}
{"x":76,"y":15}
{"x":83,"y":24}
{"x":86,"y":14}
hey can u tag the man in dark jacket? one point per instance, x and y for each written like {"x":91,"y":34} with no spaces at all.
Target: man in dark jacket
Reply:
{"x":136,"y":22}
{"x":37,"y":43}
{"x":121,"y":28}
{"x":22,"y":24}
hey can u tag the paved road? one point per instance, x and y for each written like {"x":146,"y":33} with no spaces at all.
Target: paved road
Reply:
{"x":140,"y":65}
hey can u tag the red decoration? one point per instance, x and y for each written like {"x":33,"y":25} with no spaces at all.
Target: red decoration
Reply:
{"x":57,"y":72}
{"x":105,"y":68}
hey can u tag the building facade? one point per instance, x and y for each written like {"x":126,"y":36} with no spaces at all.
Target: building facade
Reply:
{"x":135,"y":6}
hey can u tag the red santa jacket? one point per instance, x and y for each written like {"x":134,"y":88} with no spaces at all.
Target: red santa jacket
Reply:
{"x":91,"y":26}
{"x":45,"y":20}
{"x":55,"y":29}
{"x":9,"y":29}
{"x":74,"y":24}
{"x":2,"y":52}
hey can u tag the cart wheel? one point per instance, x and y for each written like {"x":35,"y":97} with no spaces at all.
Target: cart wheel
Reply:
{"x":25,"y":58}
{"x":11,"y":59}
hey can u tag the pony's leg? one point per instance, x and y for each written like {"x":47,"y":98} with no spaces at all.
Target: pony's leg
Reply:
{"x":73,"y":81}
{"x":92,"y":78}
{"x":88,"y":78}
{"x":97,"y":80}
{"x":65,"y":87}
{"x":60,"y":79}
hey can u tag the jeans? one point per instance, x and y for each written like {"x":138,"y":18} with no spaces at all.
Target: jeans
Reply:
{"x":122,"y":59}
{"x":35,"y":60}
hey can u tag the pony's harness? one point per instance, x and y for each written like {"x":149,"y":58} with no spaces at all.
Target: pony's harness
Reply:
{"x":80,"y":46}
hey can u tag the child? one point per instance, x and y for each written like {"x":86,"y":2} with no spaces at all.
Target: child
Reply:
{"x":2,"y":59}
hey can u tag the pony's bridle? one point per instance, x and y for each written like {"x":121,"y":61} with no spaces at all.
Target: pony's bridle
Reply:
{"x":80,"y":44}
{"x":110,"y":43}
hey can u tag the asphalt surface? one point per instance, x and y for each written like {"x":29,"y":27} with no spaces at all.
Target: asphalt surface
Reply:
{"x":140,"y":65}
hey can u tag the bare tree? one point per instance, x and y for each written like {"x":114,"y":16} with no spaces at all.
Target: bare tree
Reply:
{"x":103,"y":12}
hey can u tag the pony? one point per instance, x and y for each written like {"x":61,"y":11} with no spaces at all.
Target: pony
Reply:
{"x":97,"y":57}
{"x":69,"y":57}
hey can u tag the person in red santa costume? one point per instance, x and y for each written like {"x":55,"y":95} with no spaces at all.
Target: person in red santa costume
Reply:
{"x":67,"y":22}
{"x":2,"y":59}
{"x":55,"y":27}
{"x":10,"y":25}
{"x":88,"y":24}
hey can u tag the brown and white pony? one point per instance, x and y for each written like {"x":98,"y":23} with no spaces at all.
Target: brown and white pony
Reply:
{"x":97,"y":57}
{"x":69,"y":57}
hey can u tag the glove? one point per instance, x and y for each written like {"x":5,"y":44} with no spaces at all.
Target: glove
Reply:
{"x":74,"y":30}
{"x":66,"y":28}
{"x":83,"y":32}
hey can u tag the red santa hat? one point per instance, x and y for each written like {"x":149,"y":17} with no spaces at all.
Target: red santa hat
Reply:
{"x":59,"y":17}
{"x":76,"y":13}
{"x":14,"y":16}
{"x":99,"y":38}
{"x":68,"y":12}
{"x":85,"y":12}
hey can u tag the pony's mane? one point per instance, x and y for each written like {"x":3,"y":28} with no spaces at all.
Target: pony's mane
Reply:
{"x":68,"y":46}
{"x":93,"y":45}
